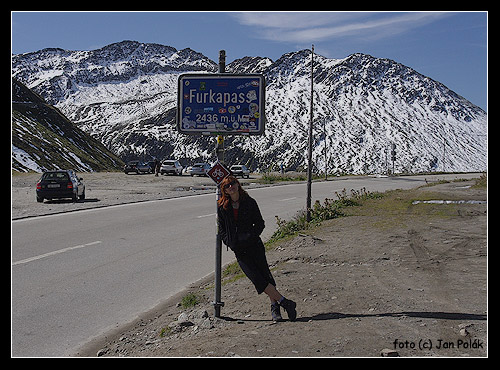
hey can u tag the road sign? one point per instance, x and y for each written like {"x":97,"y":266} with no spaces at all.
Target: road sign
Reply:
{"x":218,"y":173}
{"x":221,"y":104}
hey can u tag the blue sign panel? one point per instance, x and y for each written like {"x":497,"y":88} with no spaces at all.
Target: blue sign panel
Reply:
{"x":218,"y":104}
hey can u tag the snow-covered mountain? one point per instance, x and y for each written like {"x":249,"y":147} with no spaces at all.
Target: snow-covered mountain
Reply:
{"x":125,"y":95}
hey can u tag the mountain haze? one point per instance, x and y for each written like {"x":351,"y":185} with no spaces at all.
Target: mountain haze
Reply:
{"x":125,"y":94}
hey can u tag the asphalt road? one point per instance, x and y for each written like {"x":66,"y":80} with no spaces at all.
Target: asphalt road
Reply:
{"x":78,"y":275}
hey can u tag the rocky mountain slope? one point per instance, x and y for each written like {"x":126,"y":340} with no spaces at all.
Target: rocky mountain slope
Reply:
{"x":124,"y":95}
{"x":44,"y":139}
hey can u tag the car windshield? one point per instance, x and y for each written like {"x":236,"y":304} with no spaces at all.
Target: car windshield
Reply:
{"x":56,"y":176}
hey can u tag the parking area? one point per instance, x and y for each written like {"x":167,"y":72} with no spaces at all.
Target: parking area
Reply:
{"x":108,"y":188}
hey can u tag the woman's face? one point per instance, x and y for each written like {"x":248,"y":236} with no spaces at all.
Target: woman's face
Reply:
{"x":232,"y":187}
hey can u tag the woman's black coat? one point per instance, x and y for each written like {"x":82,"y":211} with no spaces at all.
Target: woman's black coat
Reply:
{"x":243,"y":235}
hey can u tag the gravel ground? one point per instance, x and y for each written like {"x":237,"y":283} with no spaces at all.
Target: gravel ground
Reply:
{"x":109,"y":188}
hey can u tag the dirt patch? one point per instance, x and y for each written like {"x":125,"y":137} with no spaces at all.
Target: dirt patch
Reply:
{"x":392,"y":278}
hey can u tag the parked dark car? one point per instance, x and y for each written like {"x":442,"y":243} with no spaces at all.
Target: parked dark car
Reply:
{"x":131,"y":167}
{"x":60,"y":184}
{"x":151,"y":164}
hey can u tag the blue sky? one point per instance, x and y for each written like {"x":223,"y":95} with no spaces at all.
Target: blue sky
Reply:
{"x":450,"y":47}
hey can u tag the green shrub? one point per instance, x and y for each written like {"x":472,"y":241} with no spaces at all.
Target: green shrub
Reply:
{"x":331,"y":208}
{"x":190,"y":300}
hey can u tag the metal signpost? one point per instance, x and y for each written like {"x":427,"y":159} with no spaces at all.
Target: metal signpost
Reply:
{"x":309,"y":144}
{"x":220,"y":104}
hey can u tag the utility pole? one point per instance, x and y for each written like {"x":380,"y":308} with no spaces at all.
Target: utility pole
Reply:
{"x":309,"y":149}
{"x":444,"y":154}
{"x":326,"y":150}
{"x":218,"y":241}
{"x":393,"y":156}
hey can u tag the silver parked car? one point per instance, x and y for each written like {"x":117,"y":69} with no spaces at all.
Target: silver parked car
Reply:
{"x":240,"y":170}
{"x":171,"y":166}
{"x":199,"y":169}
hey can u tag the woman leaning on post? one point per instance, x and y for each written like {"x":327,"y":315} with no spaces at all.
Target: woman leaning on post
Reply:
{"x":240,"y":226}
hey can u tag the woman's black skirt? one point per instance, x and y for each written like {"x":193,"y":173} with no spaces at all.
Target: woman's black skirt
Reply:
{"x":253,"y":262}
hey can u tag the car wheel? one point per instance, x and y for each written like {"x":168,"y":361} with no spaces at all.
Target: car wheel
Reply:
{"x":39,"y":199}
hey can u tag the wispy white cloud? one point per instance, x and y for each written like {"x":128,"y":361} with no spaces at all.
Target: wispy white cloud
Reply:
{"x":302,"y":27}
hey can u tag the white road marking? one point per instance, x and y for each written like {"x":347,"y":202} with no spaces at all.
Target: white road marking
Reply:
{"x":286,"y":199}
{"x":202,"y":216}
{"x":56,"y":252}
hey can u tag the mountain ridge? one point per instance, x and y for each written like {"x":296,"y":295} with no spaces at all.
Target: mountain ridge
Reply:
{"x":363,"y":105}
